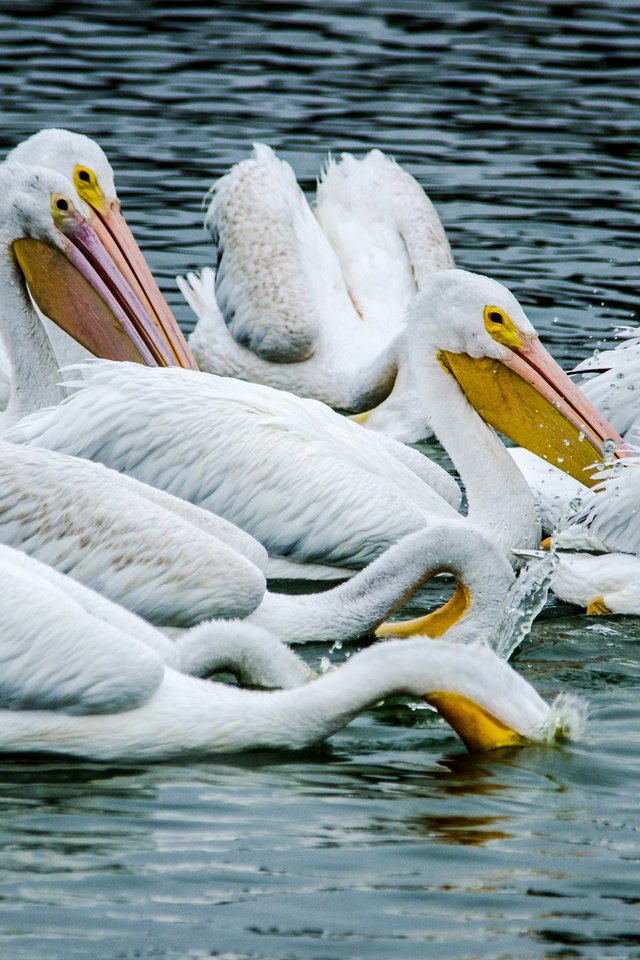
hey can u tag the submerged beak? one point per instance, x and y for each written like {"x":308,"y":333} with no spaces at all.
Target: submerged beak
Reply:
{"x":529,"y":398}
{"x":477,"y":727}
{"x":83,"y":287}
{"x":116,"y":237}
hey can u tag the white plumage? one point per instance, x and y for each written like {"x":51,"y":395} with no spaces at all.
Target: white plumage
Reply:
{"x":75,"y":684}
{"x":313,"y":304}
{"x":615,"y":387}
{"x":311,"y":486}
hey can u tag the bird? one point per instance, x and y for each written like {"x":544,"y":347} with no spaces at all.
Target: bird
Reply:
{"x":597,"y":542}
{"x":85,"y":166}
{"x":610,"y":379}
{"x":306,"y":311}
{"x":156,"y":554}
{"x":313,"y":301}
{"x":56,"y":154}
{"x":316,"y":489}
{"x":76,"y":684}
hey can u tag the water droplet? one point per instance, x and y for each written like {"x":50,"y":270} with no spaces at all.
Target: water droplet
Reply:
{"x":609,"y":447}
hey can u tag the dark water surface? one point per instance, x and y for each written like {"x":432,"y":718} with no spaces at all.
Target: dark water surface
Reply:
{"x":523,"y":122}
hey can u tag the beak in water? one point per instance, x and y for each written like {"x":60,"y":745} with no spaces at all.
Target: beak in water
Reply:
{"x":83,"y":286}
{"x":527,"y":397}
{"x":477,"y":728}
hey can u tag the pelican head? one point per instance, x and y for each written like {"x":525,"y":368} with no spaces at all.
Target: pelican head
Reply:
{"x":72,"y":276}
{"x":479,"y":334}
{"x":85,"y":165}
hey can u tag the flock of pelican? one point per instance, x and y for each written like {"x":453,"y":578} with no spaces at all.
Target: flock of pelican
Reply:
{"x":150,"y":491}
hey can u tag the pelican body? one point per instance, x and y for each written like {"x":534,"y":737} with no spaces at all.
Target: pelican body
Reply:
{"x":74,"y":683}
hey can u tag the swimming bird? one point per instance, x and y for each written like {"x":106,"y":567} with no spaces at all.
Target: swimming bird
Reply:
{"x":252,"y":654}
{"x":158,"y":555}
{"x":315,"y":488}
{"x":313,"y":301}
{"x":603,"y":525}
{"x":77,"y":685}
{"x":610,"y":379}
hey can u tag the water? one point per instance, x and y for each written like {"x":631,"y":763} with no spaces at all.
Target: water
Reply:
{"x":522,"y":121}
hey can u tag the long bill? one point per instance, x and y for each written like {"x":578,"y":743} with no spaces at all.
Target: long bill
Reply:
{"x":82,"y":286}
{"x":529,"y":398}
{"x":116,"y":237}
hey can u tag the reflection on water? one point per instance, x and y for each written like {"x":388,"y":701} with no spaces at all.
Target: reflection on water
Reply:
{"x":521,"y":120}
{"x":467,"y":831}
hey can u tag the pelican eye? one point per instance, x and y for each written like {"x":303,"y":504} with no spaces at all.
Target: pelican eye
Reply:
{"x":62,"y":204}
{"x":84,"y":175}
{"x":501,"y":327}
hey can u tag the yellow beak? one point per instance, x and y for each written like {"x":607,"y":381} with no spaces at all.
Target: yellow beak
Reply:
{"x":527,"y":397}
{"x":477,"y":728}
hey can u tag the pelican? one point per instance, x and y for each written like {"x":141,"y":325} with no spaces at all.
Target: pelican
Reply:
{"x":75,"y":684}
{"x":313,"y":304}
{"x":158,"y":555}
{"x":610,"y":379}
{"x":303,"y":316}
{"x":315,"y":488}
{"x":603,"y":524}
{"x":282,"y":430}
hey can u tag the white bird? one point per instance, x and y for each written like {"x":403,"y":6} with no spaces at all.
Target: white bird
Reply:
{"x":603,"y":523}
{"x":611,"y":380}
{"x":314,"y":487}
{"x":310,"y":303}
{"x":156,"y":554}
{"x":74,"y":684}
{"x":288,"y":415}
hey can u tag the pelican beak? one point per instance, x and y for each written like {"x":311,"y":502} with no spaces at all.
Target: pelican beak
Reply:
{"x":81,"y":287}
{"x":116,"y":237}
{"x":529,"y":398}
{"x":477,"y":727}
{"x":434,"y":624}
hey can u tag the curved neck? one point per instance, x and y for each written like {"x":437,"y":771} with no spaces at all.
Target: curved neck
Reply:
{"x":500,"y":501}
{"x":34,"y":368}
{"x":355,"y":608}
{"x":228,"y":719}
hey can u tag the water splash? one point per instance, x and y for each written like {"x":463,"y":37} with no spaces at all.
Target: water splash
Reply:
{"x":525,"y":599}
{"x":567,"y":720}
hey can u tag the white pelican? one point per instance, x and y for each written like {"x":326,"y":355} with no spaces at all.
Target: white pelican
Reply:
{"x":611,"y":380}
{"x":160,"y":556}
{"x":314,"y":487}
{"x":177,"y":565}
{"x":251,"y":653}
{"x":605,"y":523}
{"x":74,"y":684}
{"x":313,"y":304}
